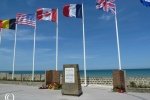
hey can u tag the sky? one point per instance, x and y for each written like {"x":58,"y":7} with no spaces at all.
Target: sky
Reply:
{"x":101,"y":45}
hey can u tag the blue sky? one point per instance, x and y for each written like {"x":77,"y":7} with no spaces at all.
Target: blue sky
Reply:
{"x":101,"y":48}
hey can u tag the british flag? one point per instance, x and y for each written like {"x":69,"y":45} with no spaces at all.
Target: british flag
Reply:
{"x":106,"y":5}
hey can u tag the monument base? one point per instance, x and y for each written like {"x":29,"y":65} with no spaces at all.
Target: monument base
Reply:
{"x":52,"y":76}
{"x":71,"y":80}
{"x":119,"y":81}
{"x":77,"y":93}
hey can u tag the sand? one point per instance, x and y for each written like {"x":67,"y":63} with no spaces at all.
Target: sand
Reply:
{"x":89,"y":93}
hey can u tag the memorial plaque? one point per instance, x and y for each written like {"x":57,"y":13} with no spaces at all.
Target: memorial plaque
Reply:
{"x":71,"y":80}
{"x":69,"y":75}
{"x":52,"y":76}
{"x":119,"y":81}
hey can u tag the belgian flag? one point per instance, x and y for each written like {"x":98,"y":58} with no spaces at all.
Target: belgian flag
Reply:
{"x":8,"y":24}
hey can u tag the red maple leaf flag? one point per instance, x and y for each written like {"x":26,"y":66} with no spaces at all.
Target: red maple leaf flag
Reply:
{"x":46,"y":14}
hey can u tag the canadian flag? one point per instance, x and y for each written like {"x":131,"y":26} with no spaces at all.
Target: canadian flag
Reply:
{"x":46,"y":14}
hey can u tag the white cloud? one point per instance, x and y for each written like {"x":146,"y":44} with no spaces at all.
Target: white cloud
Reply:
{"x":143,"y":38}
{"x":30,"y":38}
{"x":26,"y":35}
{"x":129,"y":16}
{"x":75,"y":56}
{"x":10,"y":34}
{"x":46,"y":54}
{"x":106,"y":17}
{"x":5,"y":50}
{"x":43,"y":50}
{"x":10,"y":50}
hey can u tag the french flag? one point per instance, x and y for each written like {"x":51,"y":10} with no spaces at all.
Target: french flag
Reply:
{"x":146,"y":3}
{"x":73,"y":10}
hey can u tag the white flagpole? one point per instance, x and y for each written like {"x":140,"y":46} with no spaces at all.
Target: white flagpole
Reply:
{"x":34,"y":51}
{"x":84,"y":53}
{"x":118,"y":45}
{"x":0,"y":36}
{"x":57,"y":40}
{"x":14,"y":56}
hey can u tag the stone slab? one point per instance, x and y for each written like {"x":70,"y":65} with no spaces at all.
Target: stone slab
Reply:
{"x":71,"y":84}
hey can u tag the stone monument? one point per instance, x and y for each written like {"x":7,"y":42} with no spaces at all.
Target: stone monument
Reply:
{"x":119,"y":81}
{"x":71,"y":80}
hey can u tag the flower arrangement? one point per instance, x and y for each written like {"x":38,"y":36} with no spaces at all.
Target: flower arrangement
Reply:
{"x":119,"y":89}
{"x":53,"y":86}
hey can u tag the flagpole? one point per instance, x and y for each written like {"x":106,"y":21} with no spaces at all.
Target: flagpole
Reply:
{"x":34,"y":51}
{"x":14,"y":56}
{"x":84,"y":53}
{"x":118,"y":45}
{"x":57,"y":41}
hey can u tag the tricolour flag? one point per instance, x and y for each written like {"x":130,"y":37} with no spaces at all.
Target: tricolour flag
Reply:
{"x":46,"y":14}
{"x":73,"y":10}
{"x":0,"y":23}
{"x":106,"y":5}
{"x":26,"y":19}
{"x":8,"y":24}
{"x":145,"y":3}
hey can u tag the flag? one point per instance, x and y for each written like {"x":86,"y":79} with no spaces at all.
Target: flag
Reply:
{"x":8,"y":24}
{"x":106,"y":5}
{"x":145,"y":3}
{"x":46,"y":14}
{"x":73,"y":10}
{"x":0,"y":25}
{"x":26,"y":19}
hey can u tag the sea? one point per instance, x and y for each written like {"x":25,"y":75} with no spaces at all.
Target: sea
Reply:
{"x":99,"y":73}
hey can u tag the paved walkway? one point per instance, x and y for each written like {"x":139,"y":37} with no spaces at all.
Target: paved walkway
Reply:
{"x":89,"y":93}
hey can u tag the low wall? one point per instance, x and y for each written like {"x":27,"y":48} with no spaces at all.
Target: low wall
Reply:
{"x":22,"y":77}
{"x":98,"y":81}
{"x":29,"y":83}
{"x":139,"y":81}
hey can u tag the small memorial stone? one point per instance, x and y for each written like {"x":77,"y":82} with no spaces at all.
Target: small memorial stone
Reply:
{"x":71,"y":80}
{"x":119,"y":81}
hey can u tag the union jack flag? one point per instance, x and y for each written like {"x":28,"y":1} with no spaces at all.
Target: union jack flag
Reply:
{"x":106,"y":5}
{"x":26,"y":19}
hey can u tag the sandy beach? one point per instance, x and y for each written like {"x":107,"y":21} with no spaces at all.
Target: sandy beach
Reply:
{"x":89,"y":93}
